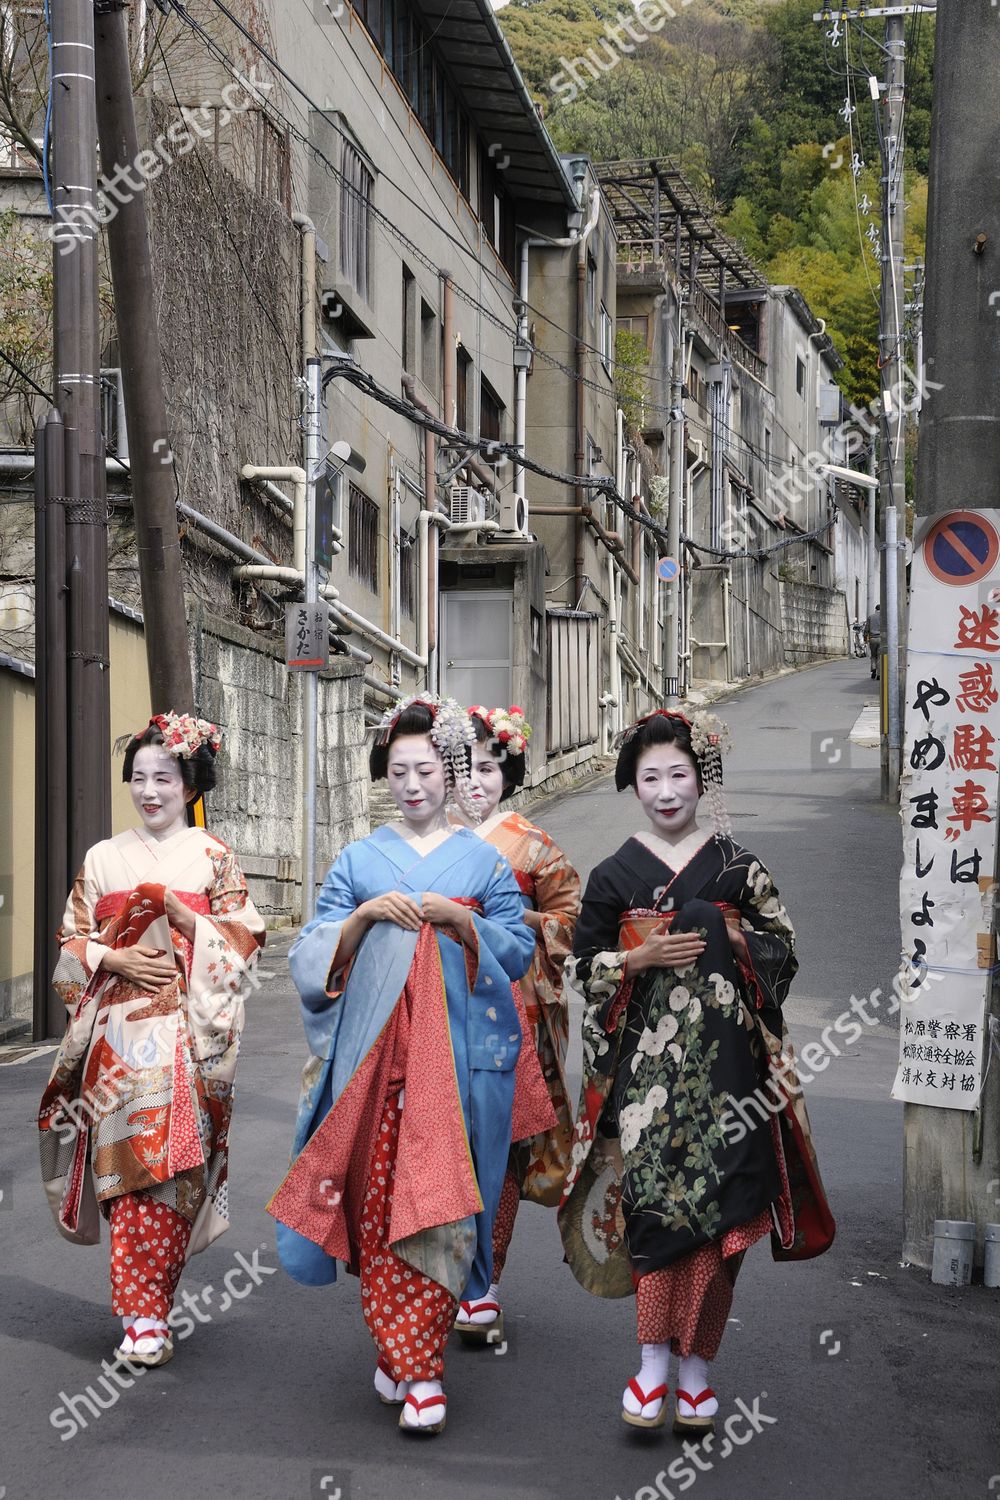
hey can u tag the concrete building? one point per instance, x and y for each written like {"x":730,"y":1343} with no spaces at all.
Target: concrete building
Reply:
{"x":759,"y":585}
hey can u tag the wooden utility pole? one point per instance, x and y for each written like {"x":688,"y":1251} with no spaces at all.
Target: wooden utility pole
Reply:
{"x":150,"y":455}
{"x":73,"y":729}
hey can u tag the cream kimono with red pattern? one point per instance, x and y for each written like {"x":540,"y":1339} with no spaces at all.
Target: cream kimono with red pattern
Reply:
{"x":141,"y":1092}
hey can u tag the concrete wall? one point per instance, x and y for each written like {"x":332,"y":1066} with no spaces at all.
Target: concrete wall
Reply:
{"x":17,"y":842}
{"x":814,"y":621}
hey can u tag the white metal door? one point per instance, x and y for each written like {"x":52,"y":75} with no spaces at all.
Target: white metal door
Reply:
{"x":476,"y":645}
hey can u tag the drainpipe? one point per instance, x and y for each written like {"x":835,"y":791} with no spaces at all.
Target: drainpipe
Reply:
{"x":308,"y":231}
{"x":614,"y":670}
{"x":579,"y":555}
{"x":297,"y":476}
{"x":449,"y":375}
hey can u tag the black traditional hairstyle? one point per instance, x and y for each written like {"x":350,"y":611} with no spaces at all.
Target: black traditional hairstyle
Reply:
{"x":512,"y":765}
{"x":197,"y":770}
{"x":658,"y":729}
{"x":416,"y":719}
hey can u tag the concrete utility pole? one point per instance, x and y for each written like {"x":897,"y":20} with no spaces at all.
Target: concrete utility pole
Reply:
{"x":892,"y":433}
{"x":73,"y":730}
{"x":952,"y":1167}
{"x":150,"y":457}
{"x":672,"y":663}
{"x":893,"y":420}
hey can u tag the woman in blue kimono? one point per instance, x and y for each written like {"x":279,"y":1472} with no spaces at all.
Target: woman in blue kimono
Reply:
{"x":406,"y":1116}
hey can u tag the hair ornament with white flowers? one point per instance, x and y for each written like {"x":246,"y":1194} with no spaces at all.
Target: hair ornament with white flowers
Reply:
{"x":452,"y":735}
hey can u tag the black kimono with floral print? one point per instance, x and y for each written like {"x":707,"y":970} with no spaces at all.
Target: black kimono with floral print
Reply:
{"x":667,"y":1055}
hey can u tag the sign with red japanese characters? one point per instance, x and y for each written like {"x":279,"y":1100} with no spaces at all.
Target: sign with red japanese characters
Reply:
{"x":948,"y":803}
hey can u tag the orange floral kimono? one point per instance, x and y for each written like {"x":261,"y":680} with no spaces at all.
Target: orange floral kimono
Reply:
{"x":140,"y":1096}
{"x":549,"y":885}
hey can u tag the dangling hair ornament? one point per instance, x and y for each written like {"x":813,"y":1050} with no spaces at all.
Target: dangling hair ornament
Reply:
{"x":709,"y":737}
{"x":452,"y":736}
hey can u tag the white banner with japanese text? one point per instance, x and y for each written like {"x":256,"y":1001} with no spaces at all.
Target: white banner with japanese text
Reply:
{"x":948,"y":804}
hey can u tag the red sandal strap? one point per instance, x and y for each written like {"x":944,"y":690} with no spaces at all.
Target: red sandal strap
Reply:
{"x":642,"y":1397}
{"x":696,"y":1401}
{"x":418,"y":1406}
{"x":484,"y":1305}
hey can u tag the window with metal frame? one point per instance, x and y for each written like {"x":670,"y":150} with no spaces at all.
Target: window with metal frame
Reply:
{"x":355,"y":219}
{"x":362,"y":538}
{"x":408,"y":574}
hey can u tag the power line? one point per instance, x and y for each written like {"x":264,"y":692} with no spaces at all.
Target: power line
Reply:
{"x":47,"y":395}
{"x":348,"y":369}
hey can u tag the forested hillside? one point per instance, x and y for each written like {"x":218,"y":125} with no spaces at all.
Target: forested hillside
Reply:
{"x":748,"y":98}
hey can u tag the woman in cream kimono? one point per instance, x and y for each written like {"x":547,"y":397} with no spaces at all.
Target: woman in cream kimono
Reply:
{"x":158,"y":942}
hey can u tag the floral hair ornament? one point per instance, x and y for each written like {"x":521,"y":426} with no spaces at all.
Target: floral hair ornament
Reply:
{"x":452,"y":736}
{"x":709,"y":737}
{"x":183,"y":734}
{"x":508,"y":726}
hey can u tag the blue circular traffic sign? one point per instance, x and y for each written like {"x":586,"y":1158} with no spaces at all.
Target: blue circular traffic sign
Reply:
{"x":961,"y":548}
{"x":668,"y":568}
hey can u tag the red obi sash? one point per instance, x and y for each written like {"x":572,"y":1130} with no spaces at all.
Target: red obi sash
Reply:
{"x":111,"y":904}
{"x":636,"y":924}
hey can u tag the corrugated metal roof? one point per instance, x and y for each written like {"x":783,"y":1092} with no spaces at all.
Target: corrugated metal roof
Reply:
{"x":472,"y":44}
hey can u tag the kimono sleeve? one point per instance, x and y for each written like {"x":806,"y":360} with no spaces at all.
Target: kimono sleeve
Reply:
{"x":81,"y":951}
{"x":597,"y":966}
{"x":233,"y":914}
{"x":770,"y":939}
{"x":311,"y":956}
{"x":502,"y":926}
{"x":557,"y":900}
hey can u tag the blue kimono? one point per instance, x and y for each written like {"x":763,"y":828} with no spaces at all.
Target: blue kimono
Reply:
{"x":462,"y":1050}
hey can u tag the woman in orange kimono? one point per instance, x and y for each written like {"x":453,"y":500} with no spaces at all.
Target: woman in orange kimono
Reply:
{"x":158,"y":942}
{"x":550,"y":890}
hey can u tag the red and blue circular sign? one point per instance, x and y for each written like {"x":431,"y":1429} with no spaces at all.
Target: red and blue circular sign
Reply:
{"x":961,"y":548}
{"x":667,"y":569}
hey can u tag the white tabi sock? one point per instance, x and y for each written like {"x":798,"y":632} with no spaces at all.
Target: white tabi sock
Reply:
{"x":475,"y":1311}
{"x":693,"y":1378}
{"x":149,"y":1333}
{"x":425,"y":1390}
{"x":653,"y":1373}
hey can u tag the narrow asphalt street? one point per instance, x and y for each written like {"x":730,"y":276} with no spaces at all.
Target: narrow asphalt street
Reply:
{"x":866,"y":1380}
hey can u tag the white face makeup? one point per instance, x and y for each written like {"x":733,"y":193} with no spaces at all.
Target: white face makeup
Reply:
{"x":417,"y":781}
{"x":485,"y":781}
{"x":666,"y":784}
{"x":158,"y":791}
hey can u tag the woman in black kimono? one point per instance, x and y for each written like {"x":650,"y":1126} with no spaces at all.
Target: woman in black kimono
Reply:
{"x":684,"y":954}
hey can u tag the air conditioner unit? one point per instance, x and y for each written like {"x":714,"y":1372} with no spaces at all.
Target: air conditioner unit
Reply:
{"x":513,"y":515}
{"x":466,"y":505}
